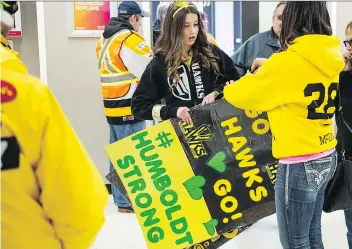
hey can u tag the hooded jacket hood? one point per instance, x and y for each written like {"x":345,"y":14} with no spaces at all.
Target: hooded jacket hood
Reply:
{"x":115,"y":25}
{"x":323,"y":51}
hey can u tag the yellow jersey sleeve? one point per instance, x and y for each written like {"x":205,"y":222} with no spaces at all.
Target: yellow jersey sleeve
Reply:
{"x":262,"y":91}
{"x":136,"y":54}
{"x":137,"y":44}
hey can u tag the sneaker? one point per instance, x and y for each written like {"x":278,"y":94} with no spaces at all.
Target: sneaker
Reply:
{"x":125,"y":209}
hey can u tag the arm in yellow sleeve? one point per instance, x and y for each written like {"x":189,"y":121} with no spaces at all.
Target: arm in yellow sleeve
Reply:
{"x":73,"y":194}
{"x":262,"y":91}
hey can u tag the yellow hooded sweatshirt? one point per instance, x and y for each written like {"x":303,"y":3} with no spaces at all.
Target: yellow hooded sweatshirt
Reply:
{"x":52,"y":195}
{"x":297,"y":88}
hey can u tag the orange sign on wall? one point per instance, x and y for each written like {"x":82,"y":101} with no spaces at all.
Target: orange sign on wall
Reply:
{"x":91,"y":15}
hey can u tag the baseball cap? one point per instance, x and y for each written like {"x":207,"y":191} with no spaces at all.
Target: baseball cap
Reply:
{"x":131,"y":8}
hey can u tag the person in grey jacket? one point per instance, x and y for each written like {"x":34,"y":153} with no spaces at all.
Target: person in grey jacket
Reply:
{"x":261,"y":45}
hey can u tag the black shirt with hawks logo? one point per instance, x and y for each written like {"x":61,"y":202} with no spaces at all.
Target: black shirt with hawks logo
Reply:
{"x":195,"y":83}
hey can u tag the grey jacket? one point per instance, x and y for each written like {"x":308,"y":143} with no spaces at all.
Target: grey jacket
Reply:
{"x":261,"y":45}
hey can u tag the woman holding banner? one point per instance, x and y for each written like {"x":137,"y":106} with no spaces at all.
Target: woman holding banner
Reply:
{"x":186,"y":70}
{"x":297,"y":87}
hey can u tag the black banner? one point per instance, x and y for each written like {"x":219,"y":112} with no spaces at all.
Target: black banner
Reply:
{"x":230,"y":152}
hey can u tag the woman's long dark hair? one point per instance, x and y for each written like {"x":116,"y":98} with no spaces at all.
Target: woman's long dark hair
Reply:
{"x":303,"y":18}
{"x":169,"y":44}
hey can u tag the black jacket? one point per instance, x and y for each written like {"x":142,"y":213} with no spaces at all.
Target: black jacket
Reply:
{"x":194,"y":86}
{"x":114,"y":25}
{"x":346,"y":102}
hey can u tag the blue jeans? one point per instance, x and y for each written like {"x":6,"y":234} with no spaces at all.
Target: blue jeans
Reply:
{"x":118,"y":132}
{"x":348,"y":219}
{"x":299,"y":199}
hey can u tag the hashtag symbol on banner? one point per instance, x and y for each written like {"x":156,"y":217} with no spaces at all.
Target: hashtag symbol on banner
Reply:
{"x":163,"y":139}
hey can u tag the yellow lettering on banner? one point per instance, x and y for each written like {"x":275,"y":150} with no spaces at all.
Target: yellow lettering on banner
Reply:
{"x":252,"y":114}
{"x":168,"y":216}
{"x":222,"y":187}
{"x":258,"y":194}
{"x":246,"y":160}
{"x":231,"y":234}
{"x":237,"y":143}
{"x":261,"y":126}
{"x":233,"y":204}
{"x":231,"y":128}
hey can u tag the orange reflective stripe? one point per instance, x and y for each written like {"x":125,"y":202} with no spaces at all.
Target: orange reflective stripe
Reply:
{"x":109,"y":49}
{"x":112,"y":92}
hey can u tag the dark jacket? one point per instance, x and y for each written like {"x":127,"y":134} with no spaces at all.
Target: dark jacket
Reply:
{"x":114,"y":25}
{"x":346,"y":102}
{"x":195,"y":84}
{"x":261,"y":45}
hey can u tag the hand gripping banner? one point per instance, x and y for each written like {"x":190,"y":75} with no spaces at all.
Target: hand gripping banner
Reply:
{"x":193,"y":184}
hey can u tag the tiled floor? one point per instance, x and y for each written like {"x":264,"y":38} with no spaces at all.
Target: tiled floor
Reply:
{"x":121,"y":231}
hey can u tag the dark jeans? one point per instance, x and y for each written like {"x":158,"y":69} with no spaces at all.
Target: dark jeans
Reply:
{"x":299,"y":199}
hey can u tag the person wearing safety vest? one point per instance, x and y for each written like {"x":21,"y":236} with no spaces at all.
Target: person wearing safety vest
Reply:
{"x":52,"y":195}
{"x":8,"y":57}
{"x":123,"y":55}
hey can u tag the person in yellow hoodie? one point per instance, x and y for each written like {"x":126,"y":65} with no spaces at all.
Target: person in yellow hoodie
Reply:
{"x":297,"y":88}
{"x":52,"y":195}
{"x":8,"y":57}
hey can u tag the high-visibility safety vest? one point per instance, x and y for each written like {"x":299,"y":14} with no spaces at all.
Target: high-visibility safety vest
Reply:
{"x":118,"y":81}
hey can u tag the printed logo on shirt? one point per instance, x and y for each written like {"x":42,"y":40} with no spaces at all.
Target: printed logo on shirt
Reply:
{"x":182,"y":89}
{"x":8,"y":92}
{"x":198,"y":80}
{"x":326,"y":138}
{"x":10,"y":153}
